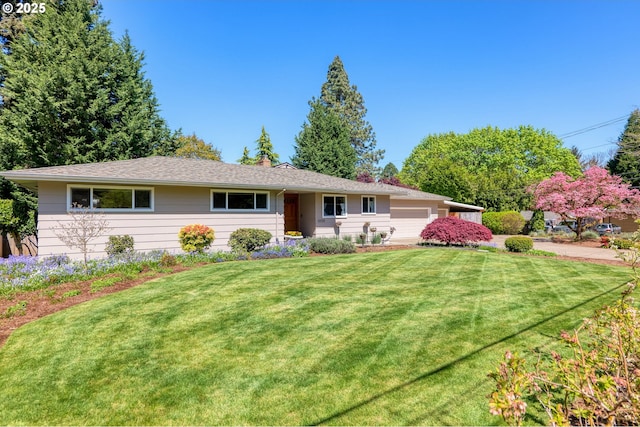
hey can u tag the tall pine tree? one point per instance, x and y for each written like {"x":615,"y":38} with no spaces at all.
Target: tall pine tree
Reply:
{"x":72,"y":94}
{"x":246,"y":159}
{"x":265,"y":148}
{"x":323,"y":145}
{"x":344,"y":99}
{"x":626,"y":161}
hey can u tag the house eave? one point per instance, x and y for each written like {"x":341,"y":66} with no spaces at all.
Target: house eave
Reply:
{"x":464,"y":206}
{"x":31,"y":182}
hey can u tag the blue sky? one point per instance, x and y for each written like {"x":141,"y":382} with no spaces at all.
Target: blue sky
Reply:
{"x":224,"y":69}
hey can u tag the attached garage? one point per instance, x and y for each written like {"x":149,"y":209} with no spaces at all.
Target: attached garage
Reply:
{"x":412,"y":211}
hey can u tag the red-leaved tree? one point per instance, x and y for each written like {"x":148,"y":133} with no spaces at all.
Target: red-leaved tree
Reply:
{"x":595,"y":195}
{"x":454,"y":230}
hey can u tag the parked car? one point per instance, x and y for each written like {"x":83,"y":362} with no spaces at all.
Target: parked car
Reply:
{"x":607,"y":228}
{"x":561,"y":229}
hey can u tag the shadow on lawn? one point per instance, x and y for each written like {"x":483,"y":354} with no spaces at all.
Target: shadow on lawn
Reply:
{"x":451,"y":364}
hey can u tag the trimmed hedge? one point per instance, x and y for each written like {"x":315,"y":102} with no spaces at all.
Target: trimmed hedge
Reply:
{"x":519,"y":244}
{"x":510,"y":222}
{"x":330,"y":245}
{"x":248,"y":239}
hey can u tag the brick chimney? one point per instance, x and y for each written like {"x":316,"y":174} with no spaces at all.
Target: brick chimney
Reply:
{"x":264,"y":161}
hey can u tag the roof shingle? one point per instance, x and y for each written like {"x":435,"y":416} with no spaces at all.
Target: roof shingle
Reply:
{"x":159,"y":170}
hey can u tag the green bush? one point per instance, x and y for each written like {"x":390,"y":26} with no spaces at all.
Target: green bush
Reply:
{"x":519,"y":244}
{"x":248,"y":239}
{"x":119,"y":245}
{"x":590,"y":235}
{"x":510,"y":222}
{"x":491,"y":220}
{"x":622,"y":243}
{"x":328,"y":245}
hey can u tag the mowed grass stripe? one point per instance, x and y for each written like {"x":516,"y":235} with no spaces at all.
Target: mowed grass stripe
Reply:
{"x":400,"y":337}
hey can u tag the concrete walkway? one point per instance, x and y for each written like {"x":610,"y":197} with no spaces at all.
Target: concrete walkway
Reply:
{"x":574,"y":251}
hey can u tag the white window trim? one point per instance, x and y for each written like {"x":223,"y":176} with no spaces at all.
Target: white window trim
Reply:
{"x":115,"y":187}
{"x":227,"y":191}
{"x":375,"y":205}
{"x":346,"y":209}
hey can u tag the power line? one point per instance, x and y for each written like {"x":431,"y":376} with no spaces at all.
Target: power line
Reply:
{"x":594,"y":127}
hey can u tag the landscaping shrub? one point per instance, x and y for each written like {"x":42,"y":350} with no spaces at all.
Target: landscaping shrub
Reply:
{"x":119,"y":245}
{"x":596,"y":382}
{"x":589,"y":235}
{"x":457,"y":231}
{"x":328,"y":245}
{"x":622,"y":243}
{"x":510,"y":222}
{"x":195,"y":237}
{"x":168,"y":260}
{"x":491,"y":220}
{"x":519,"y":244}
{"x":248,"y":239}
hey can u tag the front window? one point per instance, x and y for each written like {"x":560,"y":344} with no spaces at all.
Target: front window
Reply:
{"x":368,"y":204}
{"x":110,"y":198}
{"x":334,"y":206}
{"x":239,"y":200}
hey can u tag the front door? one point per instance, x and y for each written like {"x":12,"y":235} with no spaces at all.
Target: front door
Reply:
{"x":291,"y":212}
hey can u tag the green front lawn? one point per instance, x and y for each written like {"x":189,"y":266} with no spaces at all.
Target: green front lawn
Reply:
{"x":399,"y":337}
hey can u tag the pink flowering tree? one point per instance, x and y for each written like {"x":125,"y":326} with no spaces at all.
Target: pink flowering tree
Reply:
{"x":589,"y":198}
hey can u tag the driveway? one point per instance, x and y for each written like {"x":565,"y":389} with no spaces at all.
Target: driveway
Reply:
{"x":563,"y":249}
{"x":573,"y":251}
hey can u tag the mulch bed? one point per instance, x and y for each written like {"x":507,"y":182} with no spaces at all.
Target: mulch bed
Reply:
{"x":43,"y":302}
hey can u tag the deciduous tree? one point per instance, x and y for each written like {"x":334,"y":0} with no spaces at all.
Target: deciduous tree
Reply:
{"x":591,"y":197}
{"x":86,"y":225}
{"x":488,"y":167}
{"x":192,"y":147}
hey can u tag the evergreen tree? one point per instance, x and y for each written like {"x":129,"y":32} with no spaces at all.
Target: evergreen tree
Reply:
{"x":73,"y":95}
{"x":389,"y":171}
{"x":342,"y":97}
{"x":192,"y":147}
{"x":246,"y":159}
{"x":265,"y":148}
{"x":323,"y":145}
{"x":626,"y":161}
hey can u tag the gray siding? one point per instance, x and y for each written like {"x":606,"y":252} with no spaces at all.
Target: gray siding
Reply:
{"x":175,"y":207}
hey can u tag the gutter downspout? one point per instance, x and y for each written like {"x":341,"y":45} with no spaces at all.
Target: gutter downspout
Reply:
{"x":283,"y":190}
